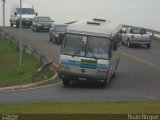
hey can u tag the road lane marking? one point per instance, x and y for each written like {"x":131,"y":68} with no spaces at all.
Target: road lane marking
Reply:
{"x":141,"y":60}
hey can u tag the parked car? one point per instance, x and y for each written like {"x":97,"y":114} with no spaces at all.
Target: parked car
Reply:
{"x":136,"y":36}
{"x":56,"y":33}
{"x":42,"y":23}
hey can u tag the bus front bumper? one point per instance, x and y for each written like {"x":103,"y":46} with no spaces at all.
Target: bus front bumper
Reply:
{"x":83,"y":77}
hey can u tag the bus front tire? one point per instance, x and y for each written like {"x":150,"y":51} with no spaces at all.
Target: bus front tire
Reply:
{"x":66,"y":82}
{"x":106,"y":82}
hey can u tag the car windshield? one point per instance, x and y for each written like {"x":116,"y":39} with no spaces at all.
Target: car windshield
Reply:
{"x":43,"y":19}
{"x":138,"y":31}
{"x":26,"y":11}
{"x":86,"y":46}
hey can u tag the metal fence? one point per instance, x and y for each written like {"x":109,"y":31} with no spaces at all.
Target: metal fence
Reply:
{"x":45,"y":63}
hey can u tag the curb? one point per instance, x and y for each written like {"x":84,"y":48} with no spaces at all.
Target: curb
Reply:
{"x":32,"y":85}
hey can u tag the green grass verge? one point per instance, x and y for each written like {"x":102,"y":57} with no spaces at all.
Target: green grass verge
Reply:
{"x":83,"y":108}
{"x":83,"y":111}
{"x":10,"y":73}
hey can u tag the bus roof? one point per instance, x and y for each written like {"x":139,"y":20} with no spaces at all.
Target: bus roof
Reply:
{"x":96,"y":27}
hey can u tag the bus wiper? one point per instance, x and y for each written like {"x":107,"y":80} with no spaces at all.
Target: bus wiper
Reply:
{"x":92,"y":53}
{"x":78,"y":51}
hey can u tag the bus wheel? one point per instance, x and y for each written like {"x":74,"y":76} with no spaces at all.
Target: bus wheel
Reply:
{"x":104,"y":84}
{"x":66,"y":82}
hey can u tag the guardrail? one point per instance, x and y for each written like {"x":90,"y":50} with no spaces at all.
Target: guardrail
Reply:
{"x":41,"y":73}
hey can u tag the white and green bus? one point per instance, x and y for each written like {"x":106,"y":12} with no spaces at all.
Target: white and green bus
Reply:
{"x":90,"y":51}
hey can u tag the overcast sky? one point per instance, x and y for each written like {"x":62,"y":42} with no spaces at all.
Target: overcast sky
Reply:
{"x":133,"y":12}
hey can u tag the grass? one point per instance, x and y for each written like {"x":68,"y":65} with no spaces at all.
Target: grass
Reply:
{"x":10,"y":73}
{"x":82,"y":111}
{"x":83,"y":108}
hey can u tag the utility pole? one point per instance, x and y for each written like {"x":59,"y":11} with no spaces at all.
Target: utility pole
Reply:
{"x":3,"y":17}
{"x":20,"y":36}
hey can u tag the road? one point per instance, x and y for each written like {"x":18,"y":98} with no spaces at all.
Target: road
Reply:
{"x":137,"y":78}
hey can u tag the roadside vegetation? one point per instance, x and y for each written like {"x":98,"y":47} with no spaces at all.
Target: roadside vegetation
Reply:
{"x":10,"y":72}
{"x":152,"y":107}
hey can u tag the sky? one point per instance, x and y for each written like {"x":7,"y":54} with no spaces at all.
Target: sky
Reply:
{"x":144,"y":13}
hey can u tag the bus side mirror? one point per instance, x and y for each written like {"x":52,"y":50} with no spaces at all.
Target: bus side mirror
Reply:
{"x":36,"y":14}
{"x":15,"y":14}
{"x":114,"y":46}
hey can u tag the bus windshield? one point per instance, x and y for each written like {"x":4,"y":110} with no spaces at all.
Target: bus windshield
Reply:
{"x":86,"y":46}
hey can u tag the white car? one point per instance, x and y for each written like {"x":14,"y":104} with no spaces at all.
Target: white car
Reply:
{"x":136,"y":36}
{"x":27,"y":12}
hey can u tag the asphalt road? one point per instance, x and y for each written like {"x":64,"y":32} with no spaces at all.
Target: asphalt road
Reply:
{"x":137,"y":78}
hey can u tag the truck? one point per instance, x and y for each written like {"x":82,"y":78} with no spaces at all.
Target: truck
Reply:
{"x":90,"y":51}
{"x":27,"y":12}
{"x":136,"y":36}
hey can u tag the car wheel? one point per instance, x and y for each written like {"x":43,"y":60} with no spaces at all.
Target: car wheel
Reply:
{"x":148,"y":45}
{"x":122,"y":43}
{"x":36,"y":29}
{"x":17,"y":25}
{"x":11,"y":24}
{"x":33,"y":29}
{"x":50,"y":39}
{"x":66,"y":82}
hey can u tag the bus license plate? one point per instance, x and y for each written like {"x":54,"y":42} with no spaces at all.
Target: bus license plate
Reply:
{"x":83,"y":79}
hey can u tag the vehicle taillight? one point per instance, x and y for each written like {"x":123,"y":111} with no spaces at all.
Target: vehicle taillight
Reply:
{"x":132,"y":37}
